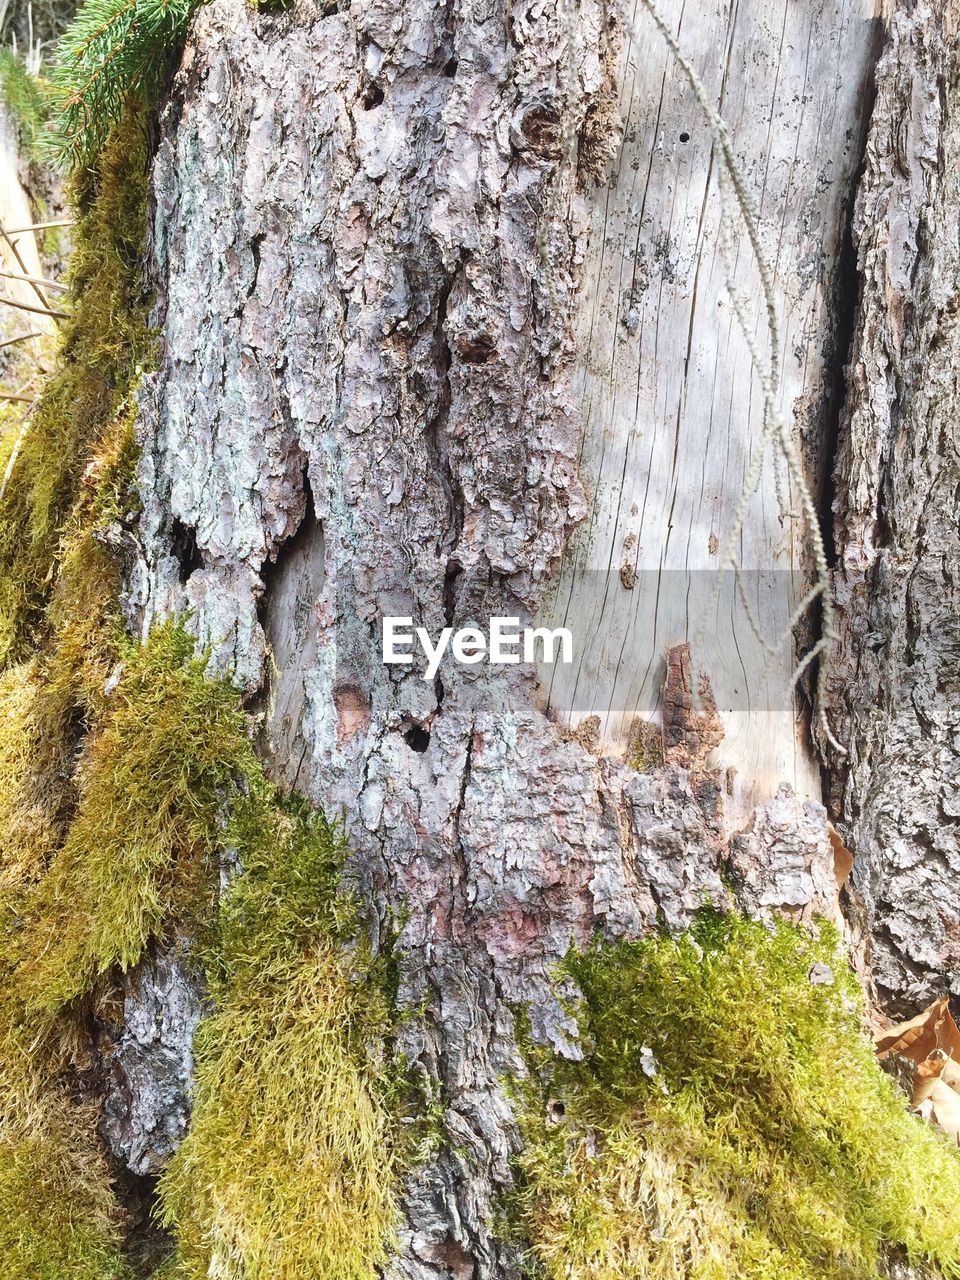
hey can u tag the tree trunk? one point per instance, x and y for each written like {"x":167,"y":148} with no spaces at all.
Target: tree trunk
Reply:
{"x":446,"y":336}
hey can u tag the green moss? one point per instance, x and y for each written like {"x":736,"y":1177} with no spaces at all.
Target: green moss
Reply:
{"x":271,"y":6}
{"x":292,"y":1157}
{"x":645,"y":751}
{"x":58,"y":1214}
{"x":139,"y":855}
{"x":106,"y":345}
{"x":58,"y":1217}
{"x":728,"y":1119}
{"x":289,"y":1168}
{"x":58,"y":615}
{"x":83,"y":888}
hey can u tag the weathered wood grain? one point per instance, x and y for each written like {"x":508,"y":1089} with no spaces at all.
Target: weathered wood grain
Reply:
{"x":672,"y":410}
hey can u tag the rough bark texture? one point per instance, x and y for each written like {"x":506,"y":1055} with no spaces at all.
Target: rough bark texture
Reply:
{"x":146,"y":1063}
{"x":367,"y":235}
{"x":366,"y":309}
{"x":893,"y":685}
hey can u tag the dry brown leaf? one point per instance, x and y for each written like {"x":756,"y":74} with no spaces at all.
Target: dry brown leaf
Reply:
{"x":941,"y":1105}
{"x":929,"y":1068}
{"x":938,"y":1067}
{"x":842,"y":857}
{"x":921,"y":1036}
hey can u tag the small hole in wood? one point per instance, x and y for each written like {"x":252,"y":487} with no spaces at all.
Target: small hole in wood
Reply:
{"x":183,"y":545}
{"x":684,"y":137}
{"x":373,"y":97}
{"x":417,"y":738}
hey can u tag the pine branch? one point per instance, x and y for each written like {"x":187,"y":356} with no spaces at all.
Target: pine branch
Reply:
{"x":111,"y":50}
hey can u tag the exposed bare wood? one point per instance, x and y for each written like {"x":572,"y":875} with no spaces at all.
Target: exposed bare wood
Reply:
{"x":672,"y":405}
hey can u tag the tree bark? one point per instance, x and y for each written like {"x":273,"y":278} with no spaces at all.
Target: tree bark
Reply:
{"x":892,"y":683}
{"x":387,"y":283}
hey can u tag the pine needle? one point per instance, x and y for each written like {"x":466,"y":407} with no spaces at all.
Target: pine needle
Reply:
{"x":111,"y":51}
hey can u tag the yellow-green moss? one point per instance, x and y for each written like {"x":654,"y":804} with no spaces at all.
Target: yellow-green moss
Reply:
{"x":292,"y":1154}
{"x":645,"y":751}
{"x":24,"y":826}
{"x":106,"y":344}
{"x":728,"y":1119}
{"x":289,"y":1168}
{"x":134,"y":857}
{"x":58,"y":1216}
{"x":139,"y":855}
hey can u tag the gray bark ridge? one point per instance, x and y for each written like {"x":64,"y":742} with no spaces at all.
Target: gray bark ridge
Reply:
{"x":893,"y":690}
{"x":145,"y":1062}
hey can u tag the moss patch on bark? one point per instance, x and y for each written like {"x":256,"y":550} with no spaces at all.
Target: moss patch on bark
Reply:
{"x":59,"y":639}
{"x":292,"y":1155}
{"x":728,"y":1119}
{"x":105,"y":346}
{"x":290,"y":1165}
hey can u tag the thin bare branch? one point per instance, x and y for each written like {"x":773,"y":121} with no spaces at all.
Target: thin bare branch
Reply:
{"x":22,"y":337}
{"x":41,"y":280}
{"x":23,"y":266}
{"x":42,"y":311}
{"x":40,"y":226}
